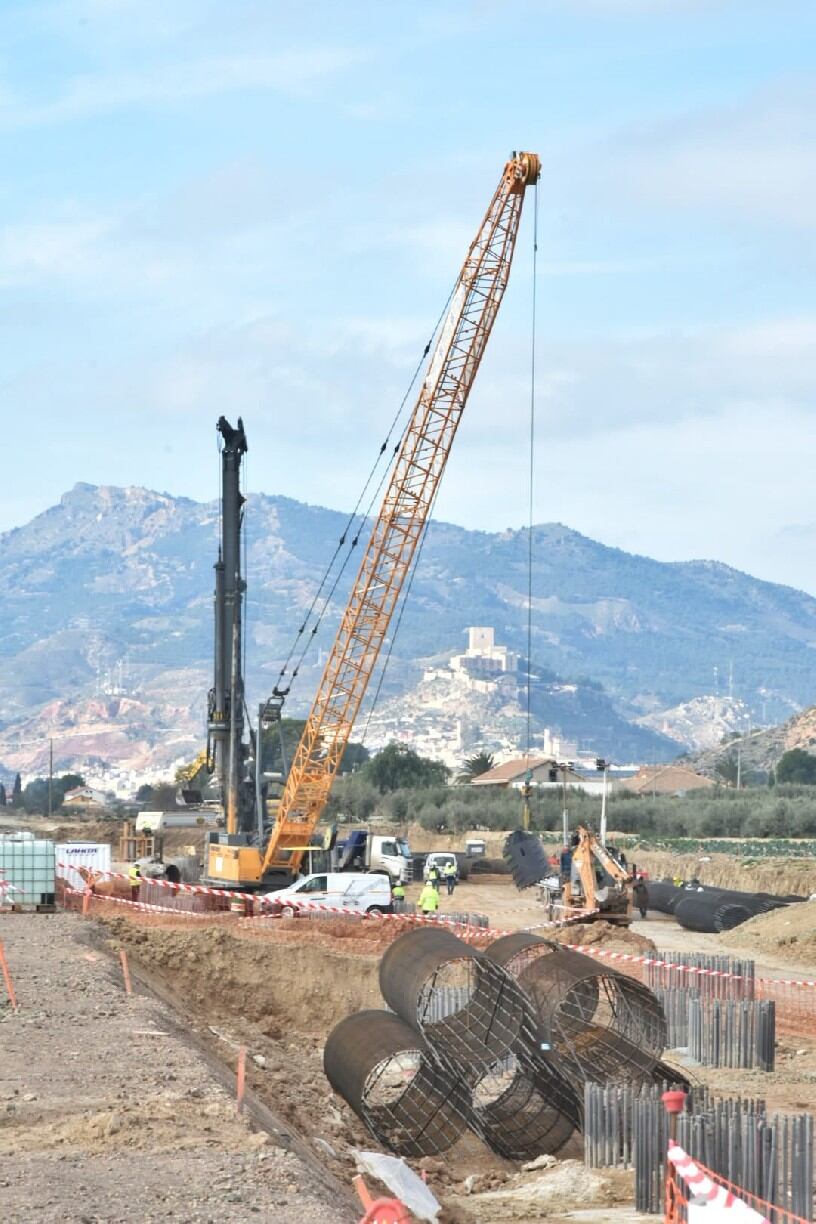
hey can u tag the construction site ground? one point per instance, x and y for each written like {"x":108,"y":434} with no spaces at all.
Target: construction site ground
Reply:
{"x":114,"y":1108}
{"x":108,"y":1111}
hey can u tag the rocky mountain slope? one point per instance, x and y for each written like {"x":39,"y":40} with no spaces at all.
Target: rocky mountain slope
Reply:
{"x":702,"y":723}
{"x":108,"y":595}
{"x":760,"y":750}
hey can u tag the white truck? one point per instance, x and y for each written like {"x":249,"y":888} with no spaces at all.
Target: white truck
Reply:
{"x":160,"y":822}
{"x":372,"y":852}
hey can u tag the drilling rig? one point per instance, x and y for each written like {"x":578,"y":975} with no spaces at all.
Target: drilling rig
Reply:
{"x":245,"y":855}
{"x":227,"y":750}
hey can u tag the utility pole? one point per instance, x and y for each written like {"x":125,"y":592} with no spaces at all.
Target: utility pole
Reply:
{"x":50,"y":776}
{"x":604,"y":765}
{"x":525,"y":800}
{"x":565,"y":817}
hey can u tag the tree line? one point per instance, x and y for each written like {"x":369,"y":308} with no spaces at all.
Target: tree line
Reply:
{"x":33,"y":797}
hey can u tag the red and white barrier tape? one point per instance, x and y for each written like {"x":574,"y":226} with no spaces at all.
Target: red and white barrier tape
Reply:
{"x":199,"y":889}
{"x":140,"y":905}
{"x":702,"y":1185}
{"x":608,"y":954}
{"x":230,"y":894}
{"x":493,"y":932}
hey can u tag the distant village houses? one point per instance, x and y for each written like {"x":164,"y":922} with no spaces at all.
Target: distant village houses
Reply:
{"x":83,"y":797}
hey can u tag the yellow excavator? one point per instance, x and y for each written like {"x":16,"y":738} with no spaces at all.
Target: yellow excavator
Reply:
{"x":598,"y":882}
{"x":248,"y":854}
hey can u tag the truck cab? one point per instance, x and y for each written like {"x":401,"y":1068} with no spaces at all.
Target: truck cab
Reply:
{"x":373,"y":852}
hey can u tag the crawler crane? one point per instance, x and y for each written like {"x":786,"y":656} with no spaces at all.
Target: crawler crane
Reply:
{"x":238,"y":857}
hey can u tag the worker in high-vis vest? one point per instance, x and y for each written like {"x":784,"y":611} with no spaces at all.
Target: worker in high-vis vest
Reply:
{"x":428,"y":902}
{"x":398,"y":892}
{"x":135,"y":878}
{"x":449,"y":871}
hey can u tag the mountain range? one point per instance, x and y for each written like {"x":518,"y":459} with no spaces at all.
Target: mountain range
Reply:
{"x":106,"y":625}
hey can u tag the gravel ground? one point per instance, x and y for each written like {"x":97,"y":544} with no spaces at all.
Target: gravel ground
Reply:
{"x":107,"y":1112}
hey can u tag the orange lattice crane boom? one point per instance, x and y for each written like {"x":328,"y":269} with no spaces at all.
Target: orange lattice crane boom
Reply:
{"x":398,"y":529}
{"x":405,"y":509}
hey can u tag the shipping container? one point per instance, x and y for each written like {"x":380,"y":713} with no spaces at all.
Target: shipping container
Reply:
{"x":27,"y":867}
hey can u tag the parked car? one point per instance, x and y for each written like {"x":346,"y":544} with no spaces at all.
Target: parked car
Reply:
{"x":353,"y":892}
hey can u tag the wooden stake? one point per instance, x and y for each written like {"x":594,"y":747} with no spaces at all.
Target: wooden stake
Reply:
{"x":7,"y":977}
{"x":240,"y":1083}
{"x":362,"y":1190}
{"x":125,"y":971}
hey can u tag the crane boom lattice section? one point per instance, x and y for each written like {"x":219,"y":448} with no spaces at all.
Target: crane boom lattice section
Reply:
{"x":405,"y":510}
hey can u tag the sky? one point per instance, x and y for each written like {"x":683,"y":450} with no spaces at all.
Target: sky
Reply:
{"x":259,"y":208}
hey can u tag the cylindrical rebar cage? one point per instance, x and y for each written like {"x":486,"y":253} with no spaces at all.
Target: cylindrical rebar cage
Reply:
{"x":601,"y":1024}
{"x":381,"y":1068}
{"x":523,"y":1111}
{"x":489,"y":1017}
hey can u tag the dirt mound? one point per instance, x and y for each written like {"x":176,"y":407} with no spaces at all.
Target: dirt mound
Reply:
{"x":282,"y":986}
{"x":105,"y":831}
{"x":777,"y":875}
{"x":567,"y":1184}
{"x":604,"y":935}
{"x":788,"y":933}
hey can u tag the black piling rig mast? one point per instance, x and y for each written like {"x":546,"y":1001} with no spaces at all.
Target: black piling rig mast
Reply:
{"x":229,"y":752}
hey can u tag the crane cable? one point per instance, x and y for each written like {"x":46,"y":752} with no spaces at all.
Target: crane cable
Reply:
{"x":423,"y":537}
{"x":532,"y":482}
{"x":403,"y":605}
{"x":350,"y":524}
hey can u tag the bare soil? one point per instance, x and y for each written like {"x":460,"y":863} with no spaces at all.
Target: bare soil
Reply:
{"x":107,"y":1113}
{"x":787,"y":934}
{"x":777,"y":875}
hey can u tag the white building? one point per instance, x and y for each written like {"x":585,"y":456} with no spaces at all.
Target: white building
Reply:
{"x":485,"y":664}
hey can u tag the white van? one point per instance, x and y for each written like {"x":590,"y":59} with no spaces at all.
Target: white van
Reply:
{"x":440,"y":859}
{"x":355,"y":892}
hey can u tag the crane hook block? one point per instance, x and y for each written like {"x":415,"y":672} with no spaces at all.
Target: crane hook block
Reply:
{"x":522,"y":171}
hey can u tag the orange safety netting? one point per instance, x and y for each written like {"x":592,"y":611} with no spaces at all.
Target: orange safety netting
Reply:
{"x":710,"y":1188}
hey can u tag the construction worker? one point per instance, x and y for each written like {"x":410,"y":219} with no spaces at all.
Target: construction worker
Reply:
{"x":433,"y":876}
{"x":398,"y":893}
{"x":450,"y":876}
{"x":640,"y":895}
{"x":428,"y":902}
{"x":135,"y":878}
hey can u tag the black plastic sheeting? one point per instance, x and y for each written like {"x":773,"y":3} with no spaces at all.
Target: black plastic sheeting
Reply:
{"x":524,"y":855}
{"x":715,"y":912}
{"x":710,"y":909}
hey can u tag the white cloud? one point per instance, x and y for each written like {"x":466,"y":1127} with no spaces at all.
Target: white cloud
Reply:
{"x":294,"y":71}
{"x":755,"y":160}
